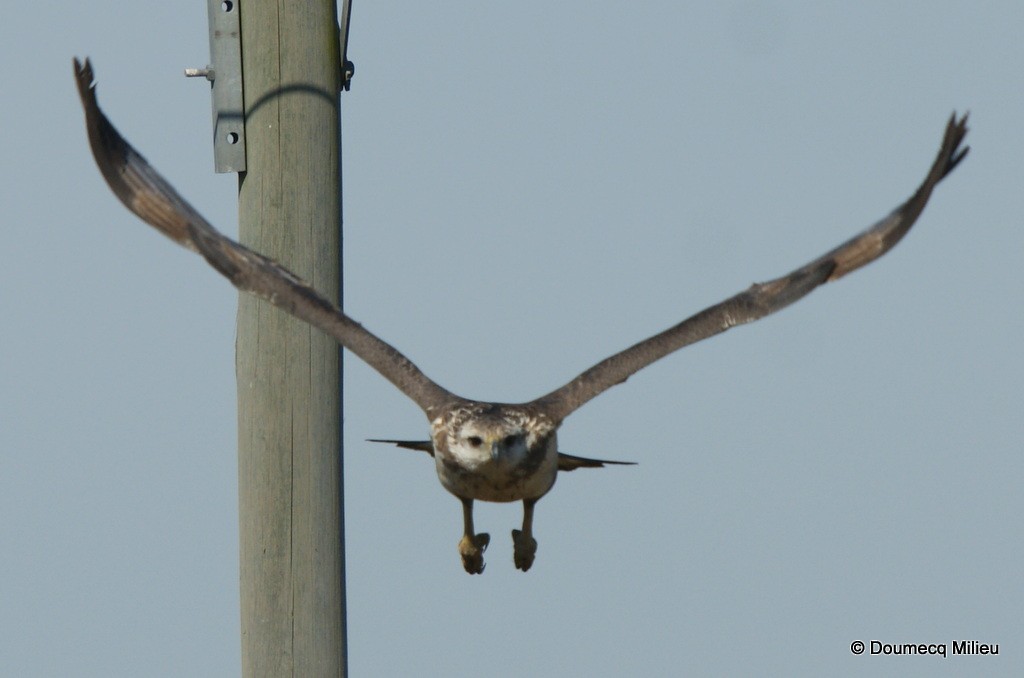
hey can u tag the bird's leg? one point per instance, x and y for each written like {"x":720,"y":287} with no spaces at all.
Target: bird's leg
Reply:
{"x":525,"y":544}
{"x":471,"y":546}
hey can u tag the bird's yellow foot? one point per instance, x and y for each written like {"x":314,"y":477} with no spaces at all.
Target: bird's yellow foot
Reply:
{"x":525,"y":549}
{"x":472,"y":551}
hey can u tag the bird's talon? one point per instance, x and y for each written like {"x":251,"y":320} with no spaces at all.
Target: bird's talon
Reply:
{"x":472,"y":551}
{"x":525,"y":550}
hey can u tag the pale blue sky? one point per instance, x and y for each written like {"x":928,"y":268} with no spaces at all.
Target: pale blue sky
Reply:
{"x":531,"y":186}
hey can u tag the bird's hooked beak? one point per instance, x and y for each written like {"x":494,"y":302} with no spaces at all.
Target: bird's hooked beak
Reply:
{"x":496,"y":449}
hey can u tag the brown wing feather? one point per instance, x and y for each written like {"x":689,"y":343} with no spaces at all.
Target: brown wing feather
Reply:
{"x":763,"y":298}
{"x":569,"y":462}
{"x":146,"y":193}
{"x":420,"y":445}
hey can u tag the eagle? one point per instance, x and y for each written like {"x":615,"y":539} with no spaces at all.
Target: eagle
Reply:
{"x":487,"y":451}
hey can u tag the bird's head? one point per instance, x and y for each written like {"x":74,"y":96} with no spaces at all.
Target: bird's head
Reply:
{"x":494,"y":437}
{"x":491,"y":440}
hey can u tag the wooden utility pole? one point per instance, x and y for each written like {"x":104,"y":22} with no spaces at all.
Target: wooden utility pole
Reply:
{"x":289,"y":447}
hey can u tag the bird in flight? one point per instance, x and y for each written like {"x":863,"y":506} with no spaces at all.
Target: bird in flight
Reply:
{"x":499,"y":452}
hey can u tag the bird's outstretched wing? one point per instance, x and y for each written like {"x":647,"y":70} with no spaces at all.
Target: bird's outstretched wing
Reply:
{"x":566,"y":462}
{"x":146,"y":193}
{"x":569,"y":462}
{"x":420,"y":445}
{"x":763,"y":298}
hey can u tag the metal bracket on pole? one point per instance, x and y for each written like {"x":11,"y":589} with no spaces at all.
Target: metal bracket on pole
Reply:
{"x":348,"y":69}
{"x":225,"y":76}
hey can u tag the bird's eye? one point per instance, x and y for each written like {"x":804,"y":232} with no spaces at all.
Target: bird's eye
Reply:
{"x":510,"y":440}
{"x":475,"y":441}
